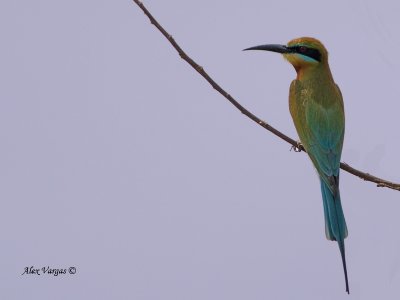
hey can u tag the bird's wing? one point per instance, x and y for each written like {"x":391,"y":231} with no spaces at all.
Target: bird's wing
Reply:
{"x":326,"y":132}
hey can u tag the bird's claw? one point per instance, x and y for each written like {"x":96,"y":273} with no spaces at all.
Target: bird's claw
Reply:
{"x":298,"y":147}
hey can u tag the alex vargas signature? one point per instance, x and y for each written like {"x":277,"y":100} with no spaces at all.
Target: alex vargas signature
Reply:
{"x":47,"y":270}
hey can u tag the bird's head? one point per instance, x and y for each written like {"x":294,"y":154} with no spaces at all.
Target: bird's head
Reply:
{"x":303,"y":53}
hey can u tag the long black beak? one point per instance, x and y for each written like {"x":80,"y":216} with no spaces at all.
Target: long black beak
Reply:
{"x":272,"y":47}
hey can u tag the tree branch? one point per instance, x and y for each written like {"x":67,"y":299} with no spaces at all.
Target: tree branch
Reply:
{"x":367,"y":177}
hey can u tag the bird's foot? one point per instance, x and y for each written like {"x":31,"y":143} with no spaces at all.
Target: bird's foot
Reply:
{"x":298,"y":147}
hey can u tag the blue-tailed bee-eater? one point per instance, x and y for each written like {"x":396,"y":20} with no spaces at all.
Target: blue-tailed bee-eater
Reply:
{"x":316,"y":106}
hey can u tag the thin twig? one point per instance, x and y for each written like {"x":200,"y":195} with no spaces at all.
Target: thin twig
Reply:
{"x":367,"y":177}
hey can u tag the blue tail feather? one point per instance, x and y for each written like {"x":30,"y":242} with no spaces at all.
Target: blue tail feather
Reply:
{"x":335,"y":224}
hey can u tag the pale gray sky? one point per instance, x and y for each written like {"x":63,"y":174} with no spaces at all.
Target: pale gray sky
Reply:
{"x":118,"y":159}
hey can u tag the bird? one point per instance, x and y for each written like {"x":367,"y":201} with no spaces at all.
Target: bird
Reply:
{"x":317,"y":109}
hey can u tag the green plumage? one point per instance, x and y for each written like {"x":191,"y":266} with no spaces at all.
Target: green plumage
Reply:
{"x":316,"y":106}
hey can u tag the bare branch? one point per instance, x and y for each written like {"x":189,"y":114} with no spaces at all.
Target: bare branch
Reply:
{"x":367,"y":177}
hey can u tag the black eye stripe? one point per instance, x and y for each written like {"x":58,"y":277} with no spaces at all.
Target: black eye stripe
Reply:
{"x":310,"y":52}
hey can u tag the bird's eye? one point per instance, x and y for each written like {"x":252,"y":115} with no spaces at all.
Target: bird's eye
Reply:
{"x":302,"y":49}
